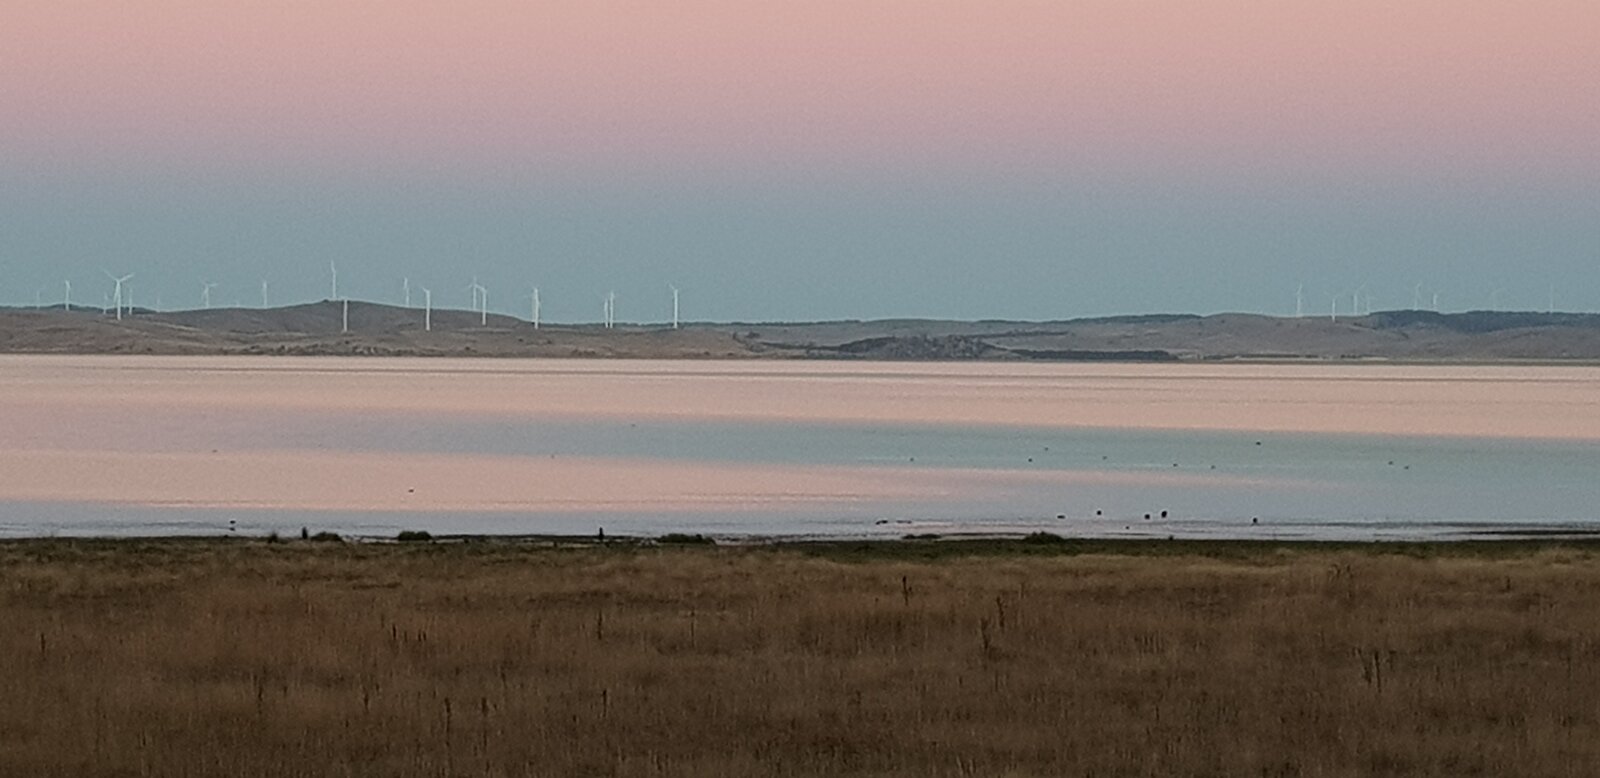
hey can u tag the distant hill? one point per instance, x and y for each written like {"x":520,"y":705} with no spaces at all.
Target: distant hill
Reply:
{"x":376,"y":329}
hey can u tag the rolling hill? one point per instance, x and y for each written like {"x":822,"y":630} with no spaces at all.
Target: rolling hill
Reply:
{"x":377,"y":329}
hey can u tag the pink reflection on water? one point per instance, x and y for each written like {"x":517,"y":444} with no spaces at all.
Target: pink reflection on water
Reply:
{"x":42,"y":393}
{"x":347,"y":481}
{"x":122,"y":430}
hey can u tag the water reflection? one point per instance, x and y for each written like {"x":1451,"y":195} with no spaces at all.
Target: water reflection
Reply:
{"x":138,"y":446}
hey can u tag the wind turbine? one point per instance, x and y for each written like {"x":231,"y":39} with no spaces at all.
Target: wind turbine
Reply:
{"x":1416,"y":297}
{"x":674,"y":305}
{"x":535,"y":311}
{"x":205,"y":293}
{"x":611,"y":310}
{"x":1435,"y":302}
{"x":345,"y":324}
{"x":334,"y":271}
{"x":427,"y":309}
{"x":263,"y":294}
{"x":116,"y":297}
{"x":480,"y":295}
{"x":405,"y":285}
{"x":1299,"y":300}
{"x":1333,"y":309}
{"x":66,"y":302}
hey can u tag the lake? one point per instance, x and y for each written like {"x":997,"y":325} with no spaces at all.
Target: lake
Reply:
{"x":117,"y":446}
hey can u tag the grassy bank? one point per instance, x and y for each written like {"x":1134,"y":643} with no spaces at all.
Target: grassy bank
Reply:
{"x":240,"y":658}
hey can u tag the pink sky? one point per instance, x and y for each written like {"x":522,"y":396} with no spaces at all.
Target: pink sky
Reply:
{"x":1429,"y":84}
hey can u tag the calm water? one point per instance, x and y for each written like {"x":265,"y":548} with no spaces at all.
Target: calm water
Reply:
{"x":135,"y":446}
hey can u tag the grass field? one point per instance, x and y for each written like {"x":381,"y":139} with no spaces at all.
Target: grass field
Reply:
{"x":211,"y":658}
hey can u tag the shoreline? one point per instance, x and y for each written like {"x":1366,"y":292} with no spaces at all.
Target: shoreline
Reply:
{"x":908,"y":548}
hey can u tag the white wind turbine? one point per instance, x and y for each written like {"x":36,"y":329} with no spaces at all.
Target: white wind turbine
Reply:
{"x":1299,"y":300}
{"x":1416,"y":297}
{"x":116,"y":297}
{"x":481,"y":294}
{"x":263,"y":294}
{"x":674,"y":305}
{"x":66,"y":301}
{"x":344,"y":325}
{"x":205,"y":293}
{"x":535,"y":312}
{"x":427,"y":309}
{"x":405,"y":287}
{"x":1333,"y":309}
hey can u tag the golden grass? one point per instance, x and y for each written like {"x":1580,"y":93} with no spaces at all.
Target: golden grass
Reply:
{"x":245,"y":659}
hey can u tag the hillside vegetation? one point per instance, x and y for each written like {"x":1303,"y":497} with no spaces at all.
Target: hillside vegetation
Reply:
{"x":379,"y":330}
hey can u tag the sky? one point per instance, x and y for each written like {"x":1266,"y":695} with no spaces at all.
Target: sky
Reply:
{"x":825,"y":159}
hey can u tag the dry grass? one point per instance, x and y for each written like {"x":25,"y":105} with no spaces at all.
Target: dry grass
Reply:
{"x":244,"y":659}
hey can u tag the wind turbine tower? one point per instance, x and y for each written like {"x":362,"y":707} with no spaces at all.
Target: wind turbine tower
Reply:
{"x":116,"y":297}
{"x":205,"y":293}
{"x":344,"y":326}
{"x":263,"y":294}
{"x":674,"y":307}
{"x":427,"y":309}
{"x":405,"y":287}
{"x":66,"y":302}
{"x":1299,"y":300}
{"x":535,"y":311}
{"x":481,"y":295}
